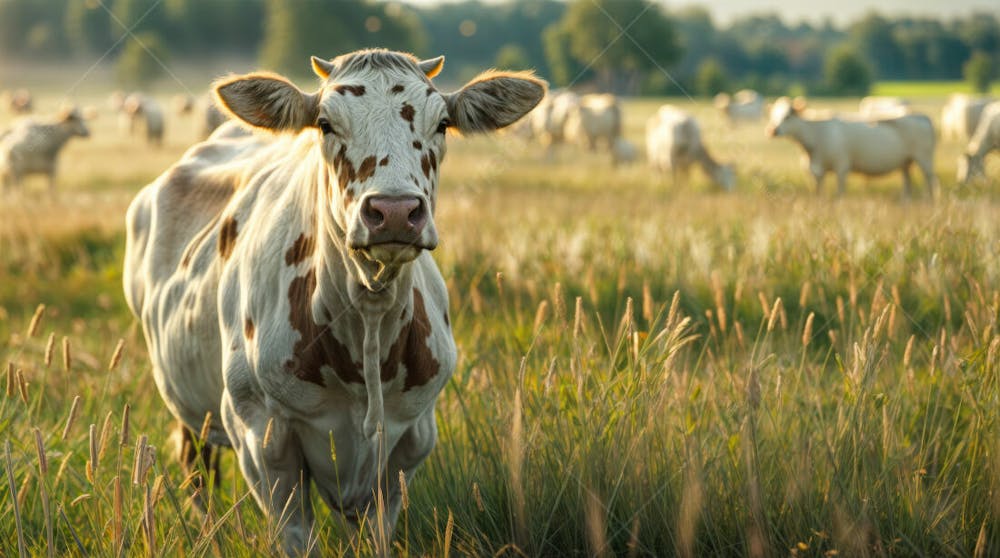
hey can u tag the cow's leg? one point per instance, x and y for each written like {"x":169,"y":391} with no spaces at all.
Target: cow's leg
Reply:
{"x":197,"y":461}
{"x":907,"y":180}
{"x":273,"y":466}
{"x":927,"y":169}
{"x":818,"y":179}
{"x":841,"y":182}
{"x":413,"y":448}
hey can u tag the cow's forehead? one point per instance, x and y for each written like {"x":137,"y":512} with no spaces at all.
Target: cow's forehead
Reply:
{"x":381,"y":88}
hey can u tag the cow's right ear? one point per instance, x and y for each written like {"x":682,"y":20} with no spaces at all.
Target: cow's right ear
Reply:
{"x":267,"y":101}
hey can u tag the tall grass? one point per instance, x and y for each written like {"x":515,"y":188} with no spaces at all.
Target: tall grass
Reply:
{"x":644,"y":371}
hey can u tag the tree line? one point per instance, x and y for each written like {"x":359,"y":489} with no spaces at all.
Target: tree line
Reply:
{"x":627,"y":46}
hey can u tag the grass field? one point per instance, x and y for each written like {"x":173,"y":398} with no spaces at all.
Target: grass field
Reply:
{"x":924,"y":89}
{"x":644,"y":370}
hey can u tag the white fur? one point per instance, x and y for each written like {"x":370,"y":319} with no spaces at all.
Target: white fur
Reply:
{"x":673,"y":143}
{"x":985,"y":140}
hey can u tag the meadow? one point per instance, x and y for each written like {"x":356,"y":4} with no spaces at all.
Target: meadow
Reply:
{"x":645,"y":369}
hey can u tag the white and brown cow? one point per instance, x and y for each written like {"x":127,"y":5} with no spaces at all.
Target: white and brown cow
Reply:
{"x":284,"y":280}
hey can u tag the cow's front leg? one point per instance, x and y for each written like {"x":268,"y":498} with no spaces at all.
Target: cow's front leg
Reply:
{"x":412,"y":449}
{"x":274,"y":467}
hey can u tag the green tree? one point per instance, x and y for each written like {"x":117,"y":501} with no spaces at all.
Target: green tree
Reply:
{"x":141,"y":60}
{"x":620,"y":39}
{"x":873,"y":37}
{"x":512,"y":57}
{"x":711,"y":78}
{"x":88,"y":26}
{"x":847,"y":72}
{"x":978,"y":71}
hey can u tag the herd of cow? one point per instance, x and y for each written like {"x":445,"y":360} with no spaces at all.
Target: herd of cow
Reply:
{"x":884,"y":136}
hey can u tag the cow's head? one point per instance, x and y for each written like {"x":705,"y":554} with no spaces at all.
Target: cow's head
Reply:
{"x":784,"y":111}
{"x":381,"y":125}
{"x":72,"y":120}
{"x":970,"y":168}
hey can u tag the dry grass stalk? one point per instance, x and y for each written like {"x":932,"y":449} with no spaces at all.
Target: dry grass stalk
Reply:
{"x":149,"y":522}
{"x":67,"y":355}
{"x":126,"y":412}
{"x":807,"y":331}
{"x":578,"y":318}
{"x":116,"y":357}
{"x":206,"y":427}
{"x":92,"y":462}
{"x":21,"y":547}
{"x":49,"y":349}
{"x":596,"y":522}
{"x":74,"y":411}
{"x":62,"y":467}
{"x":540,"y":315}
{"x":269,"y":431}
{"x":36,"y":320}
{"x":477,"y":497}
{"x":404,"y":491}
{"x":558,"y":304}
{"x":449,"y":532}
{"x":775,"y":312}
{"x":648,"y":305}
{"x":138,"y":460}
{"x":11,"y":381}
{"x":117,"y":521}
{"x":105,"y":435}
{"x":22,"y":386}
{"x":43,"y":463}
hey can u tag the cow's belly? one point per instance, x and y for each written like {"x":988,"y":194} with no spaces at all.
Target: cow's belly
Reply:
{"x":880,"y":151}
{"x":182,"y":332}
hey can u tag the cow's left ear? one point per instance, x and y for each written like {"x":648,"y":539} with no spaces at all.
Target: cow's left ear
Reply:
{"x":494,"y":100}
{"x":267,"y":101}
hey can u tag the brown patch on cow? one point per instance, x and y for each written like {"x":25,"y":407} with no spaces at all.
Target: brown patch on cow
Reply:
{"x":447,"y":322}
{"x":417,"y":145}
{"x":301,"y":249}
{"x":367,"y":168}
{"x":384,"y":161}
{"x":408,"y":113}
{"x":316,"y":347}
{"x":227,"y":237}
{"x":430,"y":91}
{"x":425,"y":165}
{"x":248,"y":329}
{"x":434,"y":160}
{"x":416,"y":181}
{"x":348,"y":196}
{"x":398,"y":88}
{"x":356,"y":90}
{"x":344,"y":167}
{"x":412,"y":350}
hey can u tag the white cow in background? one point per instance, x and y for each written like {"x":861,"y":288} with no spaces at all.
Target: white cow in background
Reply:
{"x":597,"y":120}
{"x":870,"y":148}
{"x":673,"y":143}
{"x":143,"y":111}
{"x":883,"y":107}
{"x":985,"y":140}
{"x":746,"y":105}
{"x":33,"y":146}
{"x":548,"y":120}
{"x":960,"y":116}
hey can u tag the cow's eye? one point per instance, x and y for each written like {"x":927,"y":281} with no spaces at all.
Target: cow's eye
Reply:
{"x":324,"y":126}
{"x":443,"y":125}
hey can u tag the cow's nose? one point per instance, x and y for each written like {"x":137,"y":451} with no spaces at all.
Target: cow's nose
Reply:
{"x":394,"y":217}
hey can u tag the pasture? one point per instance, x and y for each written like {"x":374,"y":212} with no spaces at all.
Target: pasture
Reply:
{"x":644,"y":369}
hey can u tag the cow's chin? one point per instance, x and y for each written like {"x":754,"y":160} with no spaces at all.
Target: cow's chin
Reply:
{"x":380,"y":264}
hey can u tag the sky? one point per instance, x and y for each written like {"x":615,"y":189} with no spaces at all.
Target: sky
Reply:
{"x":841,"y":11}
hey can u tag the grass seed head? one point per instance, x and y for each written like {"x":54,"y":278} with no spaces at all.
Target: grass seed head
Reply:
{"x":36,"y":320}
{"x":49,"y":349}
{"x":67,"y":355}
{"x":74,"y":411}
{"x":116,"y":357}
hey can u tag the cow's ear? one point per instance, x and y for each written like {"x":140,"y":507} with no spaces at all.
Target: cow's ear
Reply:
{"x":267,"y":101}
{"x":494,"y":100}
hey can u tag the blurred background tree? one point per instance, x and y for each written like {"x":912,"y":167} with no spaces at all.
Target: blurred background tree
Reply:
{"x":143,"y":59}
{"x":979,"y":72}
{"x":847,"y":73}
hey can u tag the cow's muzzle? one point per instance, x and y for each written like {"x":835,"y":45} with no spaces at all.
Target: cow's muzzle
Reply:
{"x":396,"y":223}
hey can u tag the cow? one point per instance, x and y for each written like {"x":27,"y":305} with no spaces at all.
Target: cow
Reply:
{"x":986,"y":138}
{"x":673,"y":143}
{"x":32,"y":146}
{"x":284,"y":280}
{"x":596,"y":119}
{"x":871,"y":148}
{"x":19,"y":101}
{"x":548,"y":121}
{"x":746,"y":105}
{"x":138,"y":108}
{"x":960,"y":116}
{"x":876,"y":107}
{"x":212,"y":118}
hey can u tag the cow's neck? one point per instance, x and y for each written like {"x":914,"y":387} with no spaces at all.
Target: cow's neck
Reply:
{"x":340,"y":295}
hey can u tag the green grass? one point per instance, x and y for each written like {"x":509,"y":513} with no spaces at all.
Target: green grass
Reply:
{"x":655,"y":371}
{"x":924,"y":89}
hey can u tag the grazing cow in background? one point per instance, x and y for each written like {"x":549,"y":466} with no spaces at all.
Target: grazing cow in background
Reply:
{"x":746,"y":105}
{"x":960,"y":116}
{"x":212,"y":118}
{"x":33,"y":146}
{"x":138,"y":108}
{"x":19,"y":101}
{"x":871,"y":148}
{"x":549,"y":119}
{"x":183,"y":104}
{"x":597,"y":118}
{"x":285,"y":283}
{"x":883,"y":107}
{"x":673,"y":143}
{"x":985,"y":140}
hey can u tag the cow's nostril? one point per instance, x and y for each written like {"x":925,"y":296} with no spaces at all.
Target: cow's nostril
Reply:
{"x":372,"y":216}
{"x":418,"y":216}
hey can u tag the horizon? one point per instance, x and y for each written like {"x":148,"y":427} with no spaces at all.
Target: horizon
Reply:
{"x":840,"y":12}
